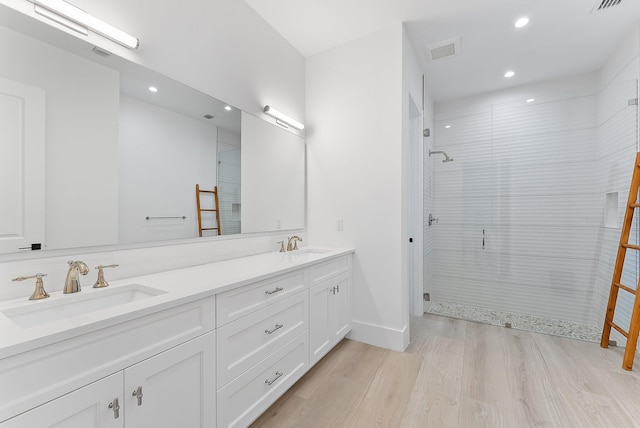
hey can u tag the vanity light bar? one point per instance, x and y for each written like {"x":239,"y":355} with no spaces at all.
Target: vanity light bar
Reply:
{"x":282,"y":117}
{"x":81,"y":17}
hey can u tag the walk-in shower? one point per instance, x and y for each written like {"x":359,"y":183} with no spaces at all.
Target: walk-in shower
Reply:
{"x":440,"y":152}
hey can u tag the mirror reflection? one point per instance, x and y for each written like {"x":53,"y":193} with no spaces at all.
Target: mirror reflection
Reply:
{"x":124,"y":149}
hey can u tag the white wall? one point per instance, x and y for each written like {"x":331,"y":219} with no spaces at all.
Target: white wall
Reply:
{"x":524,"y":174}
{"x":617,"y":146}
{"x":163,"y":155}
{"x":81,"y":138}
{"x":354,"y":161}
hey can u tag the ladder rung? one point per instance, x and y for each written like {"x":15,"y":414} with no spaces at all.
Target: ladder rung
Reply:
{"x":625,"y":288}
{"x":207,"y":191}
{"x":632,"y":247}
{"x":617,"y":327}
{"x":636,"y":205}
{"x":208,"y":209}
{"x":209,"y":228}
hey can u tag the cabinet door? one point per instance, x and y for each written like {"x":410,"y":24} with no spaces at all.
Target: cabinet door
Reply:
{"x":320,"y":303}
{"x":87,"y":407}
{"x":341,"y":308}
{"x":175,"y":388}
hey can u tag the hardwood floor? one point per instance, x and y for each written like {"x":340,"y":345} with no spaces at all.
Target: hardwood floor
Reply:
{"x":458,"y":373}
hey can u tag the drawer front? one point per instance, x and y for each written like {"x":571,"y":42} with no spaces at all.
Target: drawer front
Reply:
{"x":244,"y":399}
{"x":234,"y":304}
{"x":245,"y":342}
{"x":326,"y":270}
{"x":70,"y":364}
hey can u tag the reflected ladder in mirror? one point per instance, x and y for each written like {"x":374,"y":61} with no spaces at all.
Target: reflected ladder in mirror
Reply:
{"x":200,"y":209}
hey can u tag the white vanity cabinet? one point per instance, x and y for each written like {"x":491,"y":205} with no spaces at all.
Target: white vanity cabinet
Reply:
{"x":87,"y":407}
{"x":262,"y":345}
{"x":329,"y":307}
{"x":217,"y":359}
{"x":172,"y":389}
{"x":170,"y":353}
{"x":330,"y":315}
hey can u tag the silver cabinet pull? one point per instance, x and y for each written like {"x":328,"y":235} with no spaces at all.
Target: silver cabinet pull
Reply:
{"x":333,"y":290}
{"x":277,"y":327}
{"x":269,"y":292}
{"x":270,"y":382}
{"x":115,"y":407}
{"x":138,"y":394}
{"x":338,"y":288}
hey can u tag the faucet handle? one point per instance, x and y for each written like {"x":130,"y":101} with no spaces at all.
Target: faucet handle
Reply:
{"x":282,"y":249}
{"x":39,"y":292}
{"x":101,"y":282}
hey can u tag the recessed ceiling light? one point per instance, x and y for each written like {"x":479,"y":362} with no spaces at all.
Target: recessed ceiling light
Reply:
{"x":227,"y":108}
{"x":521,"y":22}
{"x":509,"y":73}
{"x":530,"y":100}
{"x":153,"y":89}
{"x":447,"y":126}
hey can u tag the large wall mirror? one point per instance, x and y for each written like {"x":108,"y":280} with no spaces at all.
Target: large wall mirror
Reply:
{"x":91,"y":157}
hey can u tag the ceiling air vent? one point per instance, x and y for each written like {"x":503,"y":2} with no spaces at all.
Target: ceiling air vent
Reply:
{"x":443,"y":49}
{"x":605,"y":4}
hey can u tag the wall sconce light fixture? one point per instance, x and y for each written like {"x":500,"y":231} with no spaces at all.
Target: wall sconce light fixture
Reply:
{"x":84,"y":19}
{"x":282,"y":119}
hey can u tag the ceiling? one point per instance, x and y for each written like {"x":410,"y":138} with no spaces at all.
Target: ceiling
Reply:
{"x":564,"y":38}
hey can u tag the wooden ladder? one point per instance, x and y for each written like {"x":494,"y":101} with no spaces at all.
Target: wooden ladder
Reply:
{"x":200,"y":209}
{"x":616,"y":285}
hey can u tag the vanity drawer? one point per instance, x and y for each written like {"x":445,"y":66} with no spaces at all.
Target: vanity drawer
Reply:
{"x":323,"y":271}
{"x":243,"y":400}
{"x":234,"y":304}
{"x":245,"y":342}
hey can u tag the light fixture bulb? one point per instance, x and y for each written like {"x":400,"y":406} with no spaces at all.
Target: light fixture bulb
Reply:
{"x":447,"y":126}
{"x":153,"y":89}
{"x":85,"y":19}
{"x":521,"y":22}
{"x":530,"y":100}
{"x":280,"y":117}
{"x":227,"y":108}
{"x":509,"y":74}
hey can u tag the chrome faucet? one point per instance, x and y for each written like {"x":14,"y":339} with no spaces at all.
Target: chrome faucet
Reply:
{"x":293,"y":243}
{"x":72,"y":283}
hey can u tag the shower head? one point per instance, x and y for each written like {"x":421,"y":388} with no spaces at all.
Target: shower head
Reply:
{"x":440,"y":152}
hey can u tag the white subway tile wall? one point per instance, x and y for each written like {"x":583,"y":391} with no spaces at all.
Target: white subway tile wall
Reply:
{"x":522,"y":206}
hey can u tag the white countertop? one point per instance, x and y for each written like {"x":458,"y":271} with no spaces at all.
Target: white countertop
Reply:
{"x":179,"y":286}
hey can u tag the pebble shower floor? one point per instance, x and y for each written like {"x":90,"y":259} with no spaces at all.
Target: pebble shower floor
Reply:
{"x":573,"y":330}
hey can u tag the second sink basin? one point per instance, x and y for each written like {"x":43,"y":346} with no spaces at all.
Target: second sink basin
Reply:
{"x":32,"y":314}
{"x":308,"y":250}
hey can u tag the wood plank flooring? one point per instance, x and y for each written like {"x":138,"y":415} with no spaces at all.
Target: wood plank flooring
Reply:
{"x":458,"y":373}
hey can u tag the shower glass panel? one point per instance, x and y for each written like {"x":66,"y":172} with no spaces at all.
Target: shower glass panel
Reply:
{"x":522,"y":207}
{"x":617,"y":137}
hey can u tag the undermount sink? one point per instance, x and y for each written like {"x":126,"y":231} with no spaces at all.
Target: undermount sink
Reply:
{"x":32,"y":314}
{"x":309,"y":250}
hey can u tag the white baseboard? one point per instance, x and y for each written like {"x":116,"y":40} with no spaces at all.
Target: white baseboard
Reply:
{"x":384,"y":337}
